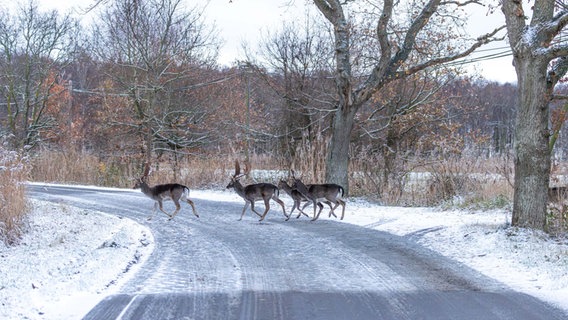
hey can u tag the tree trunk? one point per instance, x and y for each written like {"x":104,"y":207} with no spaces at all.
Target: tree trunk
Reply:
{"x":532,"y":155}
{"x":394,"y":61}
{"x":337,"y":162}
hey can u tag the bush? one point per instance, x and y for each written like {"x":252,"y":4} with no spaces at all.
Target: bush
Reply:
{"x":13,"y":204}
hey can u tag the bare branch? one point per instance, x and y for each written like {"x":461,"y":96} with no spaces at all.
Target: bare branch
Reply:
{"x":487,"y":38}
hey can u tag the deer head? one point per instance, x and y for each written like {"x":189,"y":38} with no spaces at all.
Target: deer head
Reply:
{"x":143,"y":180}
{"x":237,"y":175}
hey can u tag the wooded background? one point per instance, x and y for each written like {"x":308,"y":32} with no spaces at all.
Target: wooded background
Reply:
{"x":142,"y":83}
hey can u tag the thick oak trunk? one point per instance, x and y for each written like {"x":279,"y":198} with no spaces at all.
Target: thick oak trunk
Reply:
{"x":532,"y":153}
{"x":337,"y":162}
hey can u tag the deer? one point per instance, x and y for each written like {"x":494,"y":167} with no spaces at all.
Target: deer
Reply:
{"x":331,"y":192}
{"x":296,"y":196}
{"x":161,"y":192}
{"x":254,"y":192}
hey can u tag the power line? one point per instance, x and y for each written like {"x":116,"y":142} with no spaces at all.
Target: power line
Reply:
{"x":500,"y":54}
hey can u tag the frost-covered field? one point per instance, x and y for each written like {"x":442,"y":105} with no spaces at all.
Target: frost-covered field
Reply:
{"x":71,"y":258}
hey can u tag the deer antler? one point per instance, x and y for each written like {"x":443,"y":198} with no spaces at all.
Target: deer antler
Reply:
{"x":238,"y":173}
{"x":237,"y":168}
{"x":146,"y":171}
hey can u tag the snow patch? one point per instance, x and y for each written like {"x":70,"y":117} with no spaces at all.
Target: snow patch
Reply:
{"x":67,"y":261}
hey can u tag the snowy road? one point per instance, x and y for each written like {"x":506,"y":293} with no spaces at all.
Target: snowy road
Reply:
{"x":216,"y":267}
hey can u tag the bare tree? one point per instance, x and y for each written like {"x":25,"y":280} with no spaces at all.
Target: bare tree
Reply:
{"x":35,"y":47}
{"x":157,"y":51}
{"x":296,"y":62}
{"x":539,"y":57}
{"x":357,"y":82}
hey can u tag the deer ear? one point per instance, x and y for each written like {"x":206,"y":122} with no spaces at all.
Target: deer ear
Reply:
{"x":293,"y":174}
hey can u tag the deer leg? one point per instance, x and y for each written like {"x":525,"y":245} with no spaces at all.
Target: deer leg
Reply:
{"x":304,"y":207}
{"x":320,"y":205}
{"x":343,"y":205}
{"x":293,"y":208}
{"x":281,"y":203}
{"x":186,"y":199}
{"x":302,"y":210}
{"x":316,"y":216}
{"x":153,"y":211}
{"x":192,"y":207}
{"x":331,"y":212}
{"x":266,"y":208}
{"x":162,"y":209}
{"x":252,"y":208}
{"x":244,"y":209}
{"x":178,"y":208}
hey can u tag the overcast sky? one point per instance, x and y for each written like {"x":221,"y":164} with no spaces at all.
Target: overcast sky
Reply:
{"x":244,"y":20}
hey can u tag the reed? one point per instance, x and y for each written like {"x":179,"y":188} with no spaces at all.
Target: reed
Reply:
{"x":13,"y":204}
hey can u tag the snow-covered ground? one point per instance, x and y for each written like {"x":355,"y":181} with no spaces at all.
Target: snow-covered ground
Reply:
{"x":68,"y":260}
{"x":71,"y":258}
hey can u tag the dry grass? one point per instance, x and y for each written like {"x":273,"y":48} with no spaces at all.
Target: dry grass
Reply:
{"x":465,"y":182}
{"x":420,"y":182}
{"x":82,"y":168}
{"x":557,"y":218}
{"x":13,"y":204}
{"x":79,"y":168}
{"x":195,"y":172}
{"x":473,"y":182}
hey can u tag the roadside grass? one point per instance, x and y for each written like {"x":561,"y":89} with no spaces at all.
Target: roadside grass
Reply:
{"x":462,"y":182}
{"x":466,"y":182}
{"x":13,"y":203}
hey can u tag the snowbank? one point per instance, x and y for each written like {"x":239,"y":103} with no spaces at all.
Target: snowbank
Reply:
{"x":68,"y":253}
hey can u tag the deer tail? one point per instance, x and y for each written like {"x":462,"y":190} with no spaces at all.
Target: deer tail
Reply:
{"x":186,"y":191}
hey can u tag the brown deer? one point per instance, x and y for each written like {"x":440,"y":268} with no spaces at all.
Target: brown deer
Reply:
{"x":161,"y":192}
{"x":255,"y":192}
{"x":296,"y":196}
{"x":331,"y":192}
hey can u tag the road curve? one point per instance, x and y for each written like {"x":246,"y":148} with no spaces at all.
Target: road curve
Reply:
{"x":216,"y":267}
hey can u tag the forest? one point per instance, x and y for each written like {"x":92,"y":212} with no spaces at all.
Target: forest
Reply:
{"x":92,"y":103}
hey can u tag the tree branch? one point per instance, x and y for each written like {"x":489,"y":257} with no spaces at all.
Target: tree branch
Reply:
{"x":558,"y":70}
{"x":429,"y":9}
{"x":382,"y":34}
{"x":487,"y":38}
{"x":515,"y":20}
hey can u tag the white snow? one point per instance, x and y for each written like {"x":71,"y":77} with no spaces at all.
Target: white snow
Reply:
{"x":66,"y":261}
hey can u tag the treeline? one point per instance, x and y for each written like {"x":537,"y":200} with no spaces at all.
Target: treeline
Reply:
{"x":141,"y":83}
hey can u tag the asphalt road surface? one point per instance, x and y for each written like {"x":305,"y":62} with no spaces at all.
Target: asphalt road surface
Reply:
{"x":215,"y":267}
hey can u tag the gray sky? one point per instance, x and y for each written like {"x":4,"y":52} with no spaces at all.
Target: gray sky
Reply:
{"x":244,"y":20}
